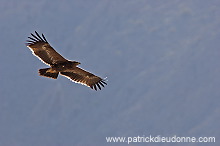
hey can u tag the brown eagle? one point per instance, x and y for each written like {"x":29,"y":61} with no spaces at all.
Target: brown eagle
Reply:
{"x":58,"y":64}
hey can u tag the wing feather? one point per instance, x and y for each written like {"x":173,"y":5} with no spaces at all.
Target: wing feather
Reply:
{"x":35,"y":37}
{"x":44,"y":38}
{"x":32,"y":39}
{"x":38,"y":36}
{"x":42,"y":49}
{"x":81,"y":76}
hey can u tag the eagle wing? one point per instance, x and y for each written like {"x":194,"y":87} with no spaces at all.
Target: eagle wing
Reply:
{"x":42,"y":49}
{"x":79,"y":75}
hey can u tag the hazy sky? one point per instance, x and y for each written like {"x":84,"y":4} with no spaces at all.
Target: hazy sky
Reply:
{"x":161,"y":60}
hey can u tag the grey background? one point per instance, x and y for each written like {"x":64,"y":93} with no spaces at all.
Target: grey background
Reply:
{"x":161,"y":59}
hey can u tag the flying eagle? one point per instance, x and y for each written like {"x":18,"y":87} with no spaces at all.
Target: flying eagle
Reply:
{"x":59,"y":65}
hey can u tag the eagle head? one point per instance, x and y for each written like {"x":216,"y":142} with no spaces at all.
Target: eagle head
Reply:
{"x":75,"y":63}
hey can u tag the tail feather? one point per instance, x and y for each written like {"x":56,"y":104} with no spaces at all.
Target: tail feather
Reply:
{"x":43,"y":72}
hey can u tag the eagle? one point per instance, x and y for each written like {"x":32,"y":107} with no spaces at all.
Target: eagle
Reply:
{"x":59,"y":65}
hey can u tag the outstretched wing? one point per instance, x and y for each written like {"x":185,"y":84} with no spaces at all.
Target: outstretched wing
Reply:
{"x":42,"y":49}
{"x":79,"y":75}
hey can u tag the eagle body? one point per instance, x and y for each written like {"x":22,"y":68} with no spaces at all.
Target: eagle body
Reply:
{"x":57,"y":68}
{"x":64,"y":66}
{"x":59,"y":65}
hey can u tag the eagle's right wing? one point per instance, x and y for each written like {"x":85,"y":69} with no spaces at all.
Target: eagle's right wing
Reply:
{"x":81,"y":76}
{"x":42,"y":49}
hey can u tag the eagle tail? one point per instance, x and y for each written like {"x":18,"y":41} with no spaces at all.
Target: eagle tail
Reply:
{"x":43,"y":72}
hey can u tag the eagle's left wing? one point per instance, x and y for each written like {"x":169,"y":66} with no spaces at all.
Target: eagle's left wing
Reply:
{"x":42,"y":49}
{"x":79,"y":75}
